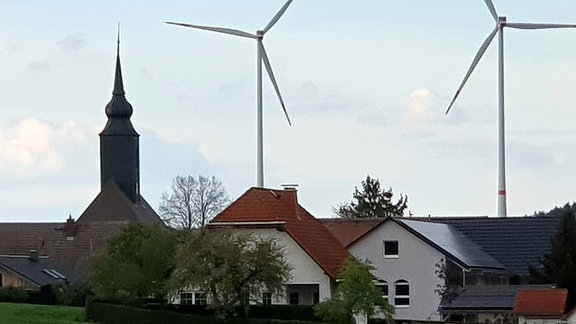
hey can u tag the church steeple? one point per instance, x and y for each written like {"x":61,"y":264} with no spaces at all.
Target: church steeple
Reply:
{"x":119,"y":148}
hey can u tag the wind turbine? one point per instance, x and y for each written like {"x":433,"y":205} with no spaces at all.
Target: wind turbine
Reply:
{"x":501,"y":23}
{"x":261,"y":57}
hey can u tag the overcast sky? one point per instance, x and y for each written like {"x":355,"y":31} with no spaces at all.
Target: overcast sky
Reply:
{"x":365,"y":83}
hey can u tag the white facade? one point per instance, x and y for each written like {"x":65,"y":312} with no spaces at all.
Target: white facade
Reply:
{"x":306,"y":273}
{"x":414,"y":264}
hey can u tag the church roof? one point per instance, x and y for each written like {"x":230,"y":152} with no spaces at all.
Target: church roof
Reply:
{"x":112,"y":205}
{"x":261,"y":206}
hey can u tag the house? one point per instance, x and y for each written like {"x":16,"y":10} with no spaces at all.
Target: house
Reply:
{"x":548,"y":306}
{"x":314,"y":253}
{"x":408,"y":257}
{"x":485,"y":303}
{"x":32,"y":272}
{"x":516,"y":242}
{"x":72,"y":244}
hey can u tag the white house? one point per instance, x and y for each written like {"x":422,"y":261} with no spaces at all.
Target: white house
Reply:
{"x":407,"y":256}
{"x":314,"y":253}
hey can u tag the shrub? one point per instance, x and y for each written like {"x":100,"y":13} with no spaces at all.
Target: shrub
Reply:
{"x":13,"y":295}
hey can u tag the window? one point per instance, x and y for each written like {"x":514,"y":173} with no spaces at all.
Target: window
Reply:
{"x":383,"y":286}
{"x":186,"y":298}
{"x":267,"y":298}
{"x":294,"y":298}
{"x":402,"y":293}
{"x":390,"y":249}
{"x":316,"y":298}
{"x":200,"y":299}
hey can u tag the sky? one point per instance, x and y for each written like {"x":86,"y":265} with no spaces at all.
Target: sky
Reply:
{"x":365,"y":83}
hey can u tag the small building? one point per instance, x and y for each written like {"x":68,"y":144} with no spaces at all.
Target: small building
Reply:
{"x":548,"y":306}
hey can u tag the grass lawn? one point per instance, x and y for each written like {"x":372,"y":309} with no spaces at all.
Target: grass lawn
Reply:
{"x":40,"y":314}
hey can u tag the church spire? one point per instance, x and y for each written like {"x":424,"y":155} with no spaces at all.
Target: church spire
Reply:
{"x":119,"y":148}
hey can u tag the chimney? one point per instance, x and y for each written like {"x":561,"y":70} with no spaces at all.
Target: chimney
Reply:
{"x":290,"y":195}
{"x":34,"y":256}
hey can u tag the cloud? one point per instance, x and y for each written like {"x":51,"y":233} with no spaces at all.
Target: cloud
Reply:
{"x":27,"y":149}
{"x":419,"y":108}
{"x":39,"y":66}
{"x":73,"y":42}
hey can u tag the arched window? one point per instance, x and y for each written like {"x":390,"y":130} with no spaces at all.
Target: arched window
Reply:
{"x":382,"y":285}
{"x":401,"y":293}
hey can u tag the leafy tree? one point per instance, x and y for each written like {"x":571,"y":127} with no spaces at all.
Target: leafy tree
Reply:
{"x":451,"y":280}
{"x":231,"y":268}
{"x":192,"y":202}
{"x":355,"y":295}
{"x":559,"y":266}
{"x":136,"y":265}
{"x":372,"y":202}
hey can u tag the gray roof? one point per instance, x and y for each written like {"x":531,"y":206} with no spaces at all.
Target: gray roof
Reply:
{"x":516,"y":242}
{"x":452,"y":242}
{"x":487,"y":298}
{"x":40,"y":273}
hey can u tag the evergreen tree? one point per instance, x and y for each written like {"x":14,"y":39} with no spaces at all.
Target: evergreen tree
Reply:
{"x":559,"y":266}
{"x":372,"y":202}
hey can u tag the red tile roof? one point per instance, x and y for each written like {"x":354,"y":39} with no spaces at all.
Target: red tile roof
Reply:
{"x":549,"y":302}
{"x":268,"y":205}
{"x":349,"y":230}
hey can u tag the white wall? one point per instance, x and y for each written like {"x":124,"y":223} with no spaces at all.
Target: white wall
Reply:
{"x":415,"y":263}
{"x":305,"y":270}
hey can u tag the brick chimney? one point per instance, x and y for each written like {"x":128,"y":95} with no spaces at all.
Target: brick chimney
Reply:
{"x":290,"y":196}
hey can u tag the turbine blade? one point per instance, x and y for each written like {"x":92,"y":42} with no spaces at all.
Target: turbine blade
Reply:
{"x":538,"y":26}
{"x":273,"y":79}
{"x":277,"y":16}
{"x":492,"y":9}
{"x":223,"y":30}
{"x":477,"y":58}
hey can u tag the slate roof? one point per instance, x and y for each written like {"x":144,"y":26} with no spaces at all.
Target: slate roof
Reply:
{"x":550,"y":302}
{"x":112,"y":204}
{"x":442,"y":237}
{"x":452,"y":242}
{"x":261,"y":205}
{"x":516,"y":242}
{"x":480,"y":299}
{"x":34,"y":272}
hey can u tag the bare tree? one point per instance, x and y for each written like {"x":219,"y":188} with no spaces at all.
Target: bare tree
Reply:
{"x":192,"y":202}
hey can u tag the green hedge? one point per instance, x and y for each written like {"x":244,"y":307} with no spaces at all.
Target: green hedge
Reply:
{"x":116,"y":314}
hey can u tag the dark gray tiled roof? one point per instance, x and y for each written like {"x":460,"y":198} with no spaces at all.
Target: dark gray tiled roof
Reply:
{"x":516,"y":242}
{"x":454,"y":243}
{"x":34,"y":272}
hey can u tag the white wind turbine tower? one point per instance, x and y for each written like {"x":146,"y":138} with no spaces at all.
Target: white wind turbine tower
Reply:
{"x":261,"y":57}
{"x":499,"y":29}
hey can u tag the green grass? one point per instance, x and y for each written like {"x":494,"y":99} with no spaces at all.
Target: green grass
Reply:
{"x":40,"y":314}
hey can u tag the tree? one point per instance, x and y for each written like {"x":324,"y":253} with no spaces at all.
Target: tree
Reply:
{"x":355,"y":295}
{"x":372,"y":202}
{"x":192,"y":202}
{"x":231,"y":268}
{"x":136,"y":264}
{"x":559,"y":266}
{"x":451,"y":280}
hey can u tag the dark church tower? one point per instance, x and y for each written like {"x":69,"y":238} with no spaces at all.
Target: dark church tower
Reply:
{"x":119,"y":152}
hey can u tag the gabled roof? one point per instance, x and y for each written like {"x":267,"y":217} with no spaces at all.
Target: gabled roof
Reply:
{"x":442,"y":237}
{"x":260,"y":205}
{"x":486,"y":298}
{"x":20,"y":238}
{"x":349,"y":230}
{"x":506,"y":238}
{"x":550,"y":302}
{"x":112,"y":205}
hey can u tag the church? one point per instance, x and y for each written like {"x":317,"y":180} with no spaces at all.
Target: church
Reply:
{"x":35,"y":255}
